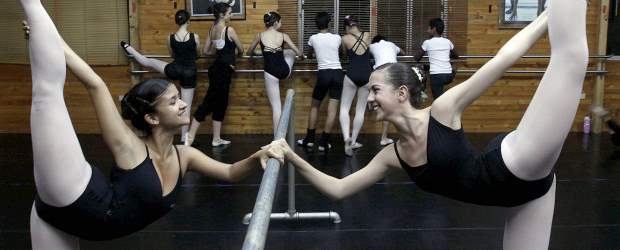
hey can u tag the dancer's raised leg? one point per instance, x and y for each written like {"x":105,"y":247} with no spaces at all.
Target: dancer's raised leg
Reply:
{"x":530,"y":152}
{"x":289,"y":58}
{"x":60,"y":170}
{"x":157,"y":65}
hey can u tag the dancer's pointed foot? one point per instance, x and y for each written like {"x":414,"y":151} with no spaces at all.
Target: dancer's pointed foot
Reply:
{"x":124,"y":45}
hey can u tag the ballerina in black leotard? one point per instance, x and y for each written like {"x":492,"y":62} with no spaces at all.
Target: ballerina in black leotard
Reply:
{"x":278,"y":61}
{"x":516,"y":170}
{"x":75,"y":200}
{"x":356,"y":45}
{"x":183,"y":47}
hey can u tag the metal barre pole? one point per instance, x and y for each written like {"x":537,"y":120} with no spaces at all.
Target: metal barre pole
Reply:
{"x":468,"y":71}
{"x":259,"y":223}
{"x":404,"y":57}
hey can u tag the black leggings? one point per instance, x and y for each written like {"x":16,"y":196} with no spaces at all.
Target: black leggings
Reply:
{"x":437,"y":83}
{"x":216,"y":99}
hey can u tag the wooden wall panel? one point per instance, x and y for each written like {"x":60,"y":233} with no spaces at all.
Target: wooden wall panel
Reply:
{"x":498,"y":110}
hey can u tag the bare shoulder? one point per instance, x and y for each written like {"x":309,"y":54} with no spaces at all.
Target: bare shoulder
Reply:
{"x":387,"y":157}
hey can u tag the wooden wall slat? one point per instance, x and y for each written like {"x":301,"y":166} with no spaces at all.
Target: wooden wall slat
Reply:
{"x":500,"y":109}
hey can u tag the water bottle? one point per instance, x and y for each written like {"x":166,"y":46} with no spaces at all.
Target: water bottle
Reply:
{"x":586,"y":124}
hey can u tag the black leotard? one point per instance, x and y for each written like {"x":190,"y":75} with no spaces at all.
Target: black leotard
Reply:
{"x":226,"y":55}
{"x":359,"y":65}
{"x":132,"y":200}
{"x":183,"y":68}
{"x":274,"y":60}
{"x":458,"y":171}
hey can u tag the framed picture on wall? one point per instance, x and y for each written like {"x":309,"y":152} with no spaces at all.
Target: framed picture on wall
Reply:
{"x":518,"y":13}
{"x":199,"y":9}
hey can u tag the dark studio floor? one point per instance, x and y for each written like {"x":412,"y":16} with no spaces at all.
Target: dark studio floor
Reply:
{"x":392,"y":214}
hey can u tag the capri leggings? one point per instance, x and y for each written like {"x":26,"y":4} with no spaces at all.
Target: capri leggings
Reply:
{"x":215,"y":101}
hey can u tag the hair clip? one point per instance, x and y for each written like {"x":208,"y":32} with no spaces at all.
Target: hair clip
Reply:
{"x":417,"y":72}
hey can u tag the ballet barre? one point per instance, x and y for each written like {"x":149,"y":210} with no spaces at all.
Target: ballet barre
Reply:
{"x":465,"y":71}
{"x":399,"y":57}
{"x":261,"y":214}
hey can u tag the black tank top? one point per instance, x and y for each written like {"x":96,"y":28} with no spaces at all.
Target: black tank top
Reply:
{"x":132,"y":200}
{"x":227,"y":54}
{"x":184,"y":52}
{"x":457,"y":170}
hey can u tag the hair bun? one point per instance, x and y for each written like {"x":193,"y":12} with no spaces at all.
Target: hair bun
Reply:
{"x":127,"y":110}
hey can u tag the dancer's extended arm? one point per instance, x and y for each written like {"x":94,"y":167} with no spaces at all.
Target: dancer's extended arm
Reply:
{"x":119,"y":138}
{"x":449,"y":107}
{"x":201,"y":163}
{"x":336,"y":188}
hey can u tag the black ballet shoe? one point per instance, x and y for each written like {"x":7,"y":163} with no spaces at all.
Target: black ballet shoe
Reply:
{"x":124,"y":45}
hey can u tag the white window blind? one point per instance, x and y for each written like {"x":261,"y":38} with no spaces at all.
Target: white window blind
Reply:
{"x":93,"y":28}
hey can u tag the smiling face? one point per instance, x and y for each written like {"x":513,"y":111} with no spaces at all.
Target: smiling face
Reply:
{"x":382,"y":98}
{"x":170,"y":110}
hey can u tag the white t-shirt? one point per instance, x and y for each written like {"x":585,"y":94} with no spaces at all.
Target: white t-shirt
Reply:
{"x":438,"y":51}
{"x":326,"y":47}
{"x":384,"y":52}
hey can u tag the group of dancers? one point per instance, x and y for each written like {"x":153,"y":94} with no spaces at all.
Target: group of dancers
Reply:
{"x":74,"y":200}
{"x":341,"y":88}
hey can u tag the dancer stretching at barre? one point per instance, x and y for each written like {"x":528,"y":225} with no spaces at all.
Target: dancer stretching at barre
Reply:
{"x":183,"y":47}
{"x":355,"y":82}
{"x":278,"y":61}
{"x":223,"y":40}
{"x":74,"y":200}
{"x":515,"y":170}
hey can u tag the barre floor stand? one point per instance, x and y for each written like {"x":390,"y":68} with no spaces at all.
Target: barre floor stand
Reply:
{"x":291,"y":213}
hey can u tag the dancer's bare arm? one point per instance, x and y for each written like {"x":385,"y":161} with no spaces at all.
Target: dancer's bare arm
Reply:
{"x":197,"y":40}
{"x":233,"y":35}
{"x":119,"y":138}
{"x":169,"y":46}
{"x":448,"y":108}
{"x":291,"y":44}
{"x":207,"y":49}
{"x":253,"y":45}
{"x":201,"y":163}
{"x":336,"y":188}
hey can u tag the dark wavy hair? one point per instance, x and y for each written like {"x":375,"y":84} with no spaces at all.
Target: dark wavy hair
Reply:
{"x":400,"y":74}
{"x":140,"y":100}
{"x":181,"y":17}
{"x":219,"y":9}
{"x":270,"y":18}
